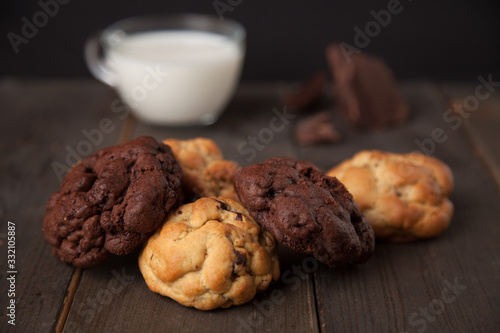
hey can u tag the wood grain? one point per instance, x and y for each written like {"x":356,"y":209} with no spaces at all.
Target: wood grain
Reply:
{"x":135,"y":307}
{"x":481,"y":121}
{"x":403,"y":288}
{"x":39,"y":119}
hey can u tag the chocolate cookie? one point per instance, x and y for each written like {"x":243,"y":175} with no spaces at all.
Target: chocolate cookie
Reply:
{"x":308,"y":94}
{"x":306,"y":210}
{"x":112,"y":201}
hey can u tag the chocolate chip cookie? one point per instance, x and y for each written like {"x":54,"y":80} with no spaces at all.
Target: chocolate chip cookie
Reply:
{"x":306,"y":210}
{"x":205,"y":172}
{"x":210,"y":254}
{"x":112,"y":201}
{"x":403,"y":196}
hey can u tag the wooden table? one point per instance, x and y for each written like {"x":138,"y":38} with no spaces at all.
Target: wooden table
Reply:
{"x":447,"y":284}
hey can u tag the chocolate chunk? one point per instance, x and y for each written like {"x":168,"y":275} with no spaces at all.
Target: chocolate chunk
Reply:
{"x":222,"y":205}
{"x":316,"y":129}
{"x":241,"y":259}
{"x":308,"y":94}
{"x":365,"y":89}
{"x":239,"y":264}
{"x":306,"y":210}
{"x":112,"y":201}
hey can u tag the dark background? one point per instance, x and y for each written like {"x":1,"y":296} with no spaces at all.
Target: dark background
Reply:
{"x":286,"y":39}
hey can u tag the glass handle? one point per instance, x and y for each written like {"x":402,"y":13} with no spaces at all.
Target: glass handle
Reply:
{"x":94,"y":57}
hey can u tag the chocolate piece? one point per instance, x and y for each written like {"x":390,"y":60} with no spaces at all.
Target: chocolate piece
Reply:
{"x":112,"y":201}
{"x":315,"y":129}
{"x":308,"y":94}
{"x":306,"y":210}
{"x":366,"y":89}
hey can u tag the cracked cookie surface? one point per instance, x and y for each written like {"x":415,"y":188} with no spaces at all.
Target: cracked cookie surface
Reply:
{"x":111,"y":202}
{"x":210,"y":254}
{"x":306,"y":210}
{"x":403,"y":196}
{"x":205,"y":173}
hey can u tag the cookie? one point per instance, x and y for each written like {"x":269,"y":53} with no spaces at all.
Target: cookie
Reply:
{"x":205,"y":173}
{"x":111,"y":202}
{"x":403,"y":196}
{"x":306,"y":210}
{"x":366,"y":89}
{"x":210,"y":254}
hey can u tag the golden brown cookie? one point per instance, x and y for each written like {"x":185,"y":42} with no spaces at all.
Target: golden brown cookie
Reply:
{"x":210,"y":254}
{"x":204,"y":171}
{"x":404,"y":197}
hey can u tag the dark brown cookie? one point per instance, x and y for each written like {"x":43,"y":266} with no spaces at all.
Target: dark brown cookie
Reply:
{"x":306,"y":210}
{"x":366,"y":90}
{"x":112,"y":201}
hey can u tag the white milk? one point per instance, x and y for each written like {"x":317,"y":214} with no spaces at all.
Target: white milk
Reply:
{"x":176,"y":77}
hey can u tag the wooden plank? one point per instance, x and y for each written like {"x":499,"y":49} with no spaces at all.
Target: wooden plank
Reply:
{"x":100,"y":307}
{"x":403,"y":287}
{"x":39,"y":119}
{"x":481,"y":121}
{"x":394,"y":291}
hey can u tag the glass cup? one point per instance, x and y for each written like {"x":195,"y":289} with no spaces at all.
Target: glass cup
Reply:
{"x":171,"y":70}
